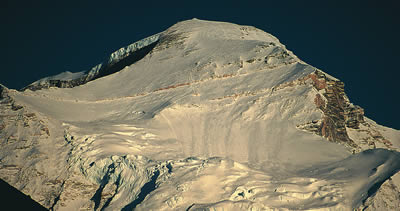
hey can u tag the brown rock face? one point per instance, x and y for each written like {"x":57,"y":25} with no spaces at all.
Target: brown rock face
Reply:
{"x":319,"y":101}
{"x":339,"y":113}
{"x":354,"y":116}
{"x":333,"y":126}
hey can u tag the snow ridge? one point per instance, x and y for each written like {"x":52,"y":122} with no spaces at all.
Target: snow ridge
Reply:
{"x":68,"y":79}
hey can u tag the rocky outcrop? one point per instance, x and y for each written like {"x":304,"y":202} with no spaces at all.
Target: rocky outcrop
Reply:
{"x":4,"y":98}
{"x":339,"y":113}
{"x":354,"y":116}
{"x":342,"y":121}
{"x":1,"y":91}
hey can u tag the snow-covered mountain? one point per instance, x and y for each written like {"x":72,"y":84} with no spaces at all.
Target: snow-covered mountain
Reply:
{"x":204,"y":115}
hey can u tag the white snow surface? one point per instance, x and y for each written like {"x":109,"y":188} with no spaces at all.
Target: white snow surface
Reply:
{"x":203,"y":117}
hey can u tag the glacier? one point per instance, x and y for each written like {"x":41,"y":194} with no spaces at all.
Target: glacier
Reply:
{"x":208,"y":115}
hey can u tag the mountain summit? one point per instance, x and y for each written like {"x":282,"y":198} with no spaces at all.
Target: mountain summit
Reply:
{"x":204,"y":115}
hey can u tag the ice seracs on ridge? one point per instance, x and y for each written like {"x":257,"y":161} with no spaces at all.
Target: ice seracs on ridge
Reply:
{"x":69,"y":80}
{"x":210,"y":115}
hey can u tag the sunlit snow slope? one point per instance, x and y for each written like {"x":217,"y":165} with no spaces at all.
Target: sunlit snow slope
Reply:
{"x":215,"y":115}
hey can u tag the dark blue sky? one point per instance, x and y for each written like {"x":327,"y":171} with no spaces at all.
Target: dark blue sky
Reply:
{"x":357,"y":42}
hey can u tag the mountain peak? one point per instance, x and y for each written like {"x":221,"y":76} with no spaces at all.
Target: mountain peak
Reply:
{"x":196,"y":30}
{"x":195,"y":33}
{"x":189,"y":52}
{"x":203,"y":115}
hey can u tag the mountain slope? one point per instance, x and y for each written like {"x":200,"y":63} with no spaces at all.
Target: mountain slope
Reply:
{"x":215,"y":115}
